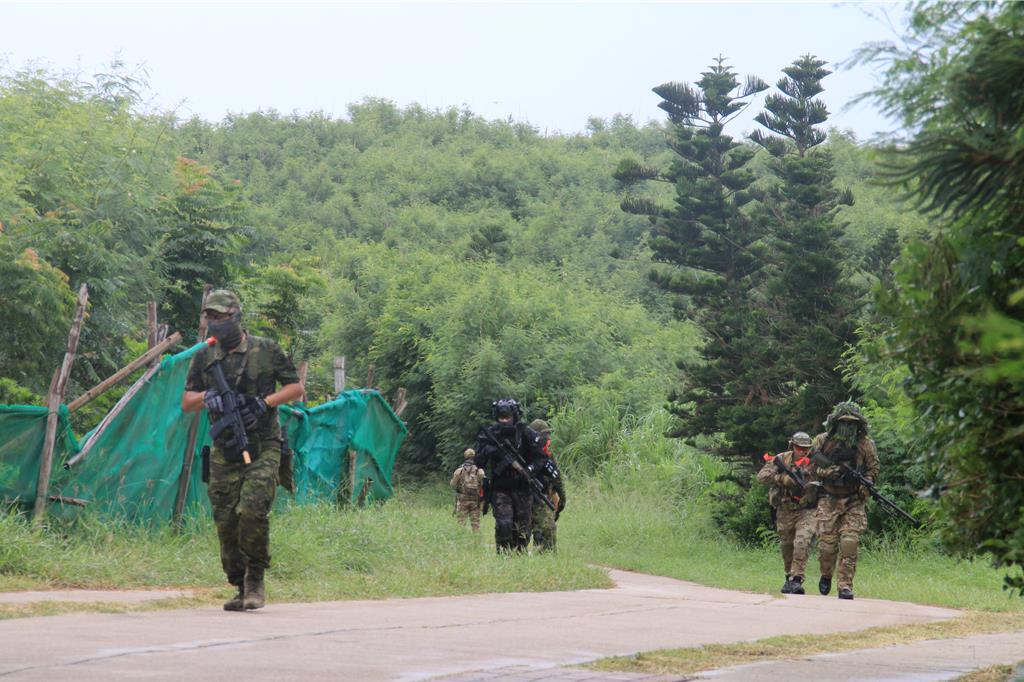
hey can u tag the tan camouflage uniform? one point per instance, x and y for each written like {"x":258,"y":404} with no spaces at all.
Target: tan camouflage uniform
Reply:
{"x":468,"y":482}
{"x":242,"y":494}
{"x":842,"y":513}
{"x":794,"y":521}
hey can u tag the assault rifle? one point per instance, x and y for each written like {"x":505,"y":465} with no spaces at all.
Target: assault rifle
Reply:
{"x":888,"y":505}
{"x":515,"y":460}
{"x":794,"y":474}
{"x":232,"y":415}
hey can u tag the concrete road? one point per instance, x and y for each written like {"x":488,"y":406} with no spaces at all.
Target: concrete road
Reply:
{"x":417,"y":639}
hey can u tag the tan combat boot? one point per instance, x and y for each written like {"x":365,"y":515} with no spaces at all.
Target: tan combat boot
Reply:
{"x":255,"y":594}
{"x":235,"y":603}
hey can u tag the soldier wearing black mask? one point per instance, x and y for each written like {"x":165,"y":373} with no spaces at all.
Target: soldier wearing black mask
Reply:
{"x":509,"y":491}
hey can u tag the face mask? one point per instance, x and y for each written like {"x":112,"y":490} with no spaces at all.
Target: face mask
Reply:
{"x":846,"y":432}
{"x":227,"y":332}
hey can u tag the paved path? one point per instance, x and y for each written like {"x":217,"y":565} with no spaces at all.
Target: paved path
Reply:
{"x":417,"y":639}
{"x":92,"y":596}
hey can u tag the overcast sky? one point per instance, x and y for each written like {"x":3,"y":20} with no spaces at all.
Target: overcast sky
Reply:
{"x":553,"y":65}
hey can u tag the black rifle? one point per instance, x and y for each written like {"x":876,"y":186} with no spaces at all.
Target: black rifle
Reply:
{"x":794,"y":474}
{"x":515,"y":460}
{"x":232,"y":415}
{"x":887,"y":504}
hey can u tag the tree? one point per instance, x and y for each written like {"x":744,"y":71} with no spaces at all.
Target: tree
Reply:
{"x":714,"y":251}
{"x":956,"y":299}
{"x":811,"y":305}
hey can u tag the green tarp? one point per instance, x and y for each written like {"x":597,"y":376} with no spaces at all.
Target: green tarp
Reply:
{"x":132,"y":469}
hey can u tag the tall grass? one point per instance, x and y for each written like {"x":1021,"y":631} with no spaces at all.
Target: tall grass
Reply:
{"x":636,"y":501}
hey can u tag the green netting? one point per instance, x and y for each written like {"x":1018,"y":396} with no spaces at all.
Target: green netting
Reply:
{"x":356,"y":422}
{"x":22,"y":429}
{"x":132,"y":468}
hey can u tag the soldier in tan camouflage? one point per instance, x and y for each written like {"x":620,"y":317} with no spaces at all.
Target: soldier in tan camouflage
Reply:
{"x":468,"y":482}
{"x":241,"y":493}
{"x":794,"y":510}
{"x":842,"y":514}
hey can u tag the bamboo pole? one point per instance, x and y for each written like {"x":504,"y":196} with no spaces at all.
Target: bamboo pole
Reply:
{"x":152,"y":354}
{"x":53,"y":400}
{"x":190,"y":445}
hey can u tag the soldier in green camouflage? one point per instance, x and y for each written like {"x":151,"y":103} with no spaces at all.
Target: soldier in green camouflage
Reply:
{"x":842,"y":514}
{"x":545,"y":521}
{"x":794,"y":511}
{"x":242,"y":494}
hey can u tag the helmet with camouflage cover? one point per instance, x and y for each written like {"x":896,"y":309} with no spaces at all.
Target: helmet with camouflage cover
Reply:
{"x":468,"y":452}
{"x":223,"y":301}
{"x":800,"y":439}
{"x":541,"y":427}
{"x":846,"y":411}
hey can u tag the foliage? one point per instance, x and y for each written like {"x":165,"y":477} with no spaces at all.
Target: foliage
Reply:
{"x":714,"y":251}
{"x":955,"y":300}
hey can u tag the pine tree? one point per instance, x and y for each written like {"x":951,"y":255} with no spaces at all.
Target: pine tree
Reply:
{"x":811,"y":305}
{"x":714,"y":253}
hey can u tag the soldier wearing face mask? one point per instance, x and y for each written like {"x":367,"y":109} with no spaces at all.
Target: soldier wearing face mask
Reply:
{"x":241,"y":493}
{"x":511,"y":501}
{"x":842,"y":513}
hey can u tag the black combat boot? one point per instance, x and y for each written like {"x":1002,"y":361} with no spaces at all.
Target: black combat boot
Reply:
{"x":796,"y":584}
{"x":845,"y":593}
{"x":255,"y":595}
{"x":787,"y":587}
{"x":235,"y":603}
{"x":825,"y":584}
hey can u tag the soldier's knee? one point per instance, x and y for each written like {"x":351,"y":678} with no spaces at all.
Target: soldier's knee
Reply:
{"x":504,"y":529}
{"x":848,"y":544}
{"x":827,"y":546}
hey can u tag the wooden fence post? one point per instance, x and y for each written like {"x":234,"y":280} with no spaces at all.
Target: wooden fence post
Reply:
{"x":193,"y":431}
{"x":339,"y":373}
{"x":54,"y":398}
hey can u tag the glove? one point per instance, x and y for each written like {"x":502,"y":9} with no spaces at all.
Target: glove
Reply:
{"x":213,"y":402}
{"x":252,"y":408}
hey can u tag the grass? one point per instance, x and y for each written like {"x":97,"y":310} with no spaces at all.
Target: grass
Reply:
{"x":631,"y":517}
{"x":993,"y":673}
{"x":410,"y":547}
{"x":716,"y":656}
{"x":640,"y":528}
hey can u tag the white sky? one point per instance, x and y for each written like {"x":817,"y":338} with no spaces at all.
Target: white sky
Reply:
{"x":551,"y":64}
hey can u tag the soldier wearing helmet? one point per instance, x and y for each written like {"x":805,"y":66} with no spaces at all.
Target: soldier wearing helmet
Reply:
{"x":793,"y":508}
{"x":510,"y":498}
{"x":241,"y":493}
{"x":468,"y":482}
{"x":842,"y":512}
{"x":545,"y":521}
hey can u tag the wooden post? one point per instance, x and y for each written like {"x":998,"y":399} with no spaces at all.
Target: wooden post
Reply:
{"x":190,"y":444}
{"x":151,"y":324}
{"x":54,"y":398}
{"x":339,"y":373}
{"x":400,"y":402}
{"x":303,"y":371}
{"x":367,"y":484}
{"x":369,"y":376}
{"x":350,"y":484}
{"x":153,"y":354}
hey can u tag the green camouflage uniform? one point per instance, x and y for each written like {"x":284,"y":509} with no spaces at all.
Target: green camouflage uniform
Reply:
{"x":242,"y":494}
{"x":468,"y":482}
{"x":545,"y":526}
{"x":842,"y":513}
{"x":794,"y":521}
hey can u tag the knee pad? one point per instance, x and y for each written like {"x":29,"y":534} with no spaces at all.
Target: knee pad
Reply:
{"x":504,"y":530}
{"x":848,"y":545}
{"x":827,"y":547}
